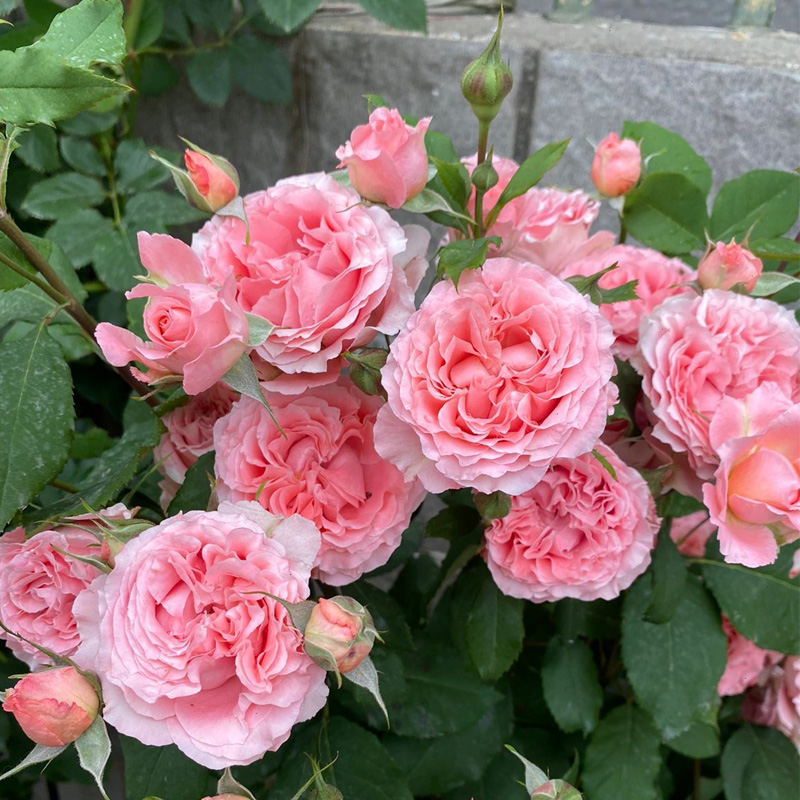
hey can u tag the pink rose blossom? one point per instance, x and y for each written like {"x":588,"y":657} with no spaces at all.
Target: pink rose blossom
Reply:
{"x":727,"y":265}
{"x":691,"y":534}
{"x":189,"y":647}
{"x":195,"y":330}
{"x":578,"y":533}
{"x":39,"y":583}
{"x":327,"y":272}
{"x":775,"y":702}
{"x":747,"y":662}
{"x":695,"y":351}
{"x":190,"y":434}
{"x":213,"y":183}
{"x":616,"y":166}
{"x":339,"y":630}
{"x":325,"y":469}
{"x":386,"y":159}
{"x":755,"y":501}
{"x":489,"y":383}
{"x":547,"y":227}
{"x":53,"y":707}
{"x":658,"y":278}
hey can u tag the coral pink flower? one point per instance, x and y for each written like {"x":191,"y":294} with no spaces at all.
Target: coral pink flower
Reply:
{"x":658,"y":278}
{"x":190,"y":434}
{"x":755,"y":501}
{"x":39,"y":582}
{"x":580,"y":532}
{"x":747,"y":663}
{"x":727,"y":265}
{"x":695,"y":351}
{"x":325,"y":468}
{"x":547,"y":227}
{"x":53,"y":707}
{"x":327,"y":272}
{"x":386,"y":159}
{"x":616,"y":166}
{"x":691,"y":533}
{"x":776,"y":701}
{"x":489,"y":383}
{"x":213,"y":183}
{"x":190,"y":647}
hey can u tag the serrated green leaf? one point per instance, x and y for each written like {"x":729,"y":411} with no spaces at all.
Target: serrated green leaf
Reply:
{"x":770,"y":283}
{"x":669,"y":575}
{"x":759,"y":764}
{"x":289,"y":15}
{"x":151,"y":24}
{"x":157,"y":211}
{"x":88,"y":33}
{"x":571,"y":684}
{"x":455,"y":179}
{"x":38,"y":86}
{"x":195,"y":491}
{"x":38,"y":755}
{"x":778,"y":249}
{"x":407,"y":15}
{"x":62,"y":195}
{"x":38,"y":149}
{"x":135,"y":168}
{"x":667,"y":212}
{"x":622,"y":759}
{"x":94,"y":750}
{"x":701,"y":740}
{"x":78,"y":233}
{"x":209,"y":73}
{"x":82,"y":156}
{"x":88,"y":123}
{"x":674,"y":667}
{"x":764,"y":203}
{"x":261,"y":69}
{"x":36,"y":418}
{"x":464,"y":254}
{"x":116,"y":260}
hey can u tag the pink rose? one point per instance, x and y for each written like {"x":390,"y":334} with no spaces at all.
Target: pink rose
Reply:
{"x":339,"y":632}
{"x":617,"y":165}
{"x":212,"y":181}
{"x":658,"y":278}
{"x":775,"y":702}
{"x":578,"y":533}
{"x":755,"y":501}
{"x":691,"y":534}
{"x":190,"y":434}
{"x":53,"y":707}
{"x":695,"y":351}
{"x":386,"y":159}
{"x":39,"y":583}
{"x":727,"y":265}
{"x":747,"y":662}
{"x":189,"y":647}
{"x":325,"y":469}
{"x":195,"y":330}
{"x":489,"y":383}
{"x":547,"y":227}
{"x":327,"y":272}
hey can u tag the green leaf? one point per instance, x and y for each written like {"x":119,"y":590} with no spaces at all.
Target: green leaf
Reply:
{"x":435,"y":766}
{"x":770,"y":283}
{"x":36,"y":418}
{"x":455,"y":179}
{"x":440,"y":146}
{"x":530,"y":172}
{"x":82,"y":155}
{"x":492,"y":506}
{"x":622,"y":759}
{"x":759,"y":764}
{"x":242,"y":378}
{"x":62,"y":195}
{"x":195,"y":490}
{"x":428,"y":201}
{"x":150,"y":25}
{"x":571,"y":684}
{"x":136,"y":170}
{"x":78,"y":233}
{"x":94,"y":750}
{"x":38,"y":86}
{"x":665,"y":151}
{"x":452,"y":523}
{"x":762,"y":604}
{"x":289,"y":15}
{"x":464,"y":254}
{"x":38,"y":149}
{"x":407,"y":15}
{"x":156,"y":211}
{"x":116,"y":260}
{"x":674,"y":667}
{"x":209,"y":73}
{"x":164,"y":772}
{"x":158,"y":76}
{"x":701,"y":740}
{"x":669,"y":575}
{"x":778,"y":249}
{"x":486,"y":623}
{"x":38,"y":755}
{"x":88,"y":33}
{"x":764,"y":203}
{"x":365,"y":675}
{"x":261,"y":69}
{"x":596,"y":620}
{"x":667,"y":212}
{"x":88,"y":123}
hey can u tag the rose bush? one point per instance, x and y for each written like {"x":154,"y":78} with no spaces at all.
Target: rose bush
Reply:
{"x":378,"y":518}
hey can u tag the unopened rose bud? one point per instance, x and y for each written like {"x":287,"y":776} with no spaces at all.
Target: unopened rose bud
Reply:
{"x":487,"y":81}
{"x":727,"y":265}
{"x":386,"y":159}
{"x":484,"y":176}
{"x":339,"y":634}
{"x":556,"y":790}
{"x":213,"y":177}
{"x":617,"y":165}
{"x":53,"y":707}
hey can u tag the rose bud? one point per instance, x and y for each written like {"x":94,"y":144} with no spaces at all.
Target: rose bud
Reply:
{"x":556,"y":790}
{"x":727,"y":265}
{"x":53,"y":707}
{"x":617,"y":165}
{"x":386,"y":159}
{"x":214,"y":178}
{"x":339,"y":634}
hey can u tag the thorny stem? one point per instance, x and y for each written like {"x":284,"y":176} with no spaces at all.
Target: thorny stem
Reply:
{"x":105,"y":147}
{"x":623,"y":231}
{"x":483,"y":142}
{"x":64,"y":487}
{"x":36,"y":281}
{"x":223,"y":41}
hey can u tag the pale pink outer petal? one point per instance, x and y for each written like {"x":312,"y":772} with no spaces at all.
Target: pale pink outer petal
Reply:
{"x":169,"y":259}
